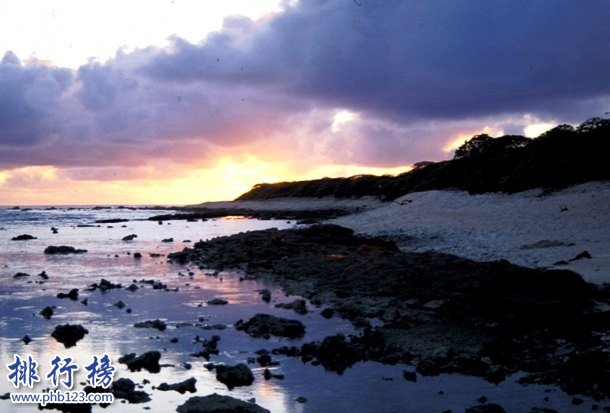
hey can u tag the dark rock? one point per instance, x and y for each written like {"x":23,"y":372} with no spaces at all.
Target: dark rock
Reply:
{"x":263,"y":357}
{"x":158,"y":324}
{"x":119,"y":304}
{"x":542,"y":410}
{"x":124,"y":388}
{"x":210,"y":346}
{"x":576,"y":401}
{"x":327,"y":313}
{"x":485,"y":408}
{"x":268,"y":375}
{"x":26,"y":339}
{"x":265,"y":295}
{"x":21,"y":275}
{"x":43,"y":275}
{"x":72,"y":294}
{"x":137,"y":255}
{"x":105,"y":285}
{"x":46,"y":312}
{"x":215,"y":403}
{"x":335,"y":353}
{"x":298,"y":306}
{"x":217,"y":301}
{"x":234,"y":376}
{"x":545,"y":243}
{"x":582,"y":255}
{"x":23,"y":237}
{"x":181,"y":387}
{"x":69,"y":334}
{"x":111,"y":221}
{"x":301,"y":399}
{"x":148,"y":361}
{"x":54,"y":230}
{"x":410,"y":376}
{"x":167,"y":240}
{"x":130,"y":237}
{"x":265,"y":325}
{"x":63,"y":249}
{"x":132,"y":288}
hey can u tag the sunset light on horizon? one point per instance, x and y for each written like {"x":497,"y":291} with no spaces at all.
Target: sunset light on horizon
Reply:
{"x":180,"y":102}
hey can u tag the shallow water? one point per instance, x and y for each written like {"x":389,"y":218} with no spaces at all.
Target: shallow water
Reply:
{"x":367,"y":387}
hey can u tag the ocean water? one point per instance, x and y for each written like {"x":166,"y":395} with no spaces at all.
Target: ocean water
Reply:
{"x":366,"y":387}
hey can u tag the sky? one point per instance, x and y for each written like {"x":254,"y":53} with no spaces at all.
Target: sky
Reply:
{"x":179,"y":102}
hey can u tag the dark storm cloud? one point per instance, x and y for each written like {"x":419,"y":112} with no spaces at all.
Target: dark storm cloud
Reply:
{"x":417,"y":74}
{"x":413,"y":59}
{"x":28,"y":101}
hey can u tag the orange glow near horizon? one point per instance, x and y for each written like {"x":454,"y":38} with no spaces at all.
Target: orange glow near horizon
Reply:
{"x":225,"y":180}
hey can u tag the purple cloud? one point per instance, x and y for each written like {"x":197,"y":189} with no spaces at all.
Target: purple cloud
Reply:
{"x":416,"y":73}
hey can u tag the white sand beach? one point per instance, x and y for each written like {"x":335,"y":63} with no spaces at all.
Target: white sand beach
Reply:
{"x":527,"y":228}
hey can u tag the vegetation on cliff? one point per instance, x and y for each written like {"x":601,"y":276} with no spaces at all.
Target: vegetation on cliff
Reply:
{"x":558,"y":158}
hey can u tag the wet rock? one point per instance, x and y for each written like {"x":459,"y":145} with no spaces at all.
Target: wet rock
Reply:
{"x":217,"y":301}
{"x":167,"y":240}
{"x":582,"y":255}
{"x":21,"y":275}
{"x":181,"y":387}
{"x":26,"y":339}
{"x":545,"y":243}
{"x":298,"y":306}
{"x":410,"y":376}
{"x":265,"y":295}
{"x":119,"y":304}
{"x":111,"y":221}
{"x":327,"y":313}
{"x":137,"y":255}
{"x":104,"y":285}
{"x":124,"y":388}
{"x":54,"y":230}
{"x":72,"y":294}
{"x":267,"y":375}
{"x":485,"y":408}
{"x":46,"y":312}
{"x":265,"y":325}
{"x":158,"y":324}
{"x":130,"y":237}
{"x":148,"y":361}
{"x":542,"y":410}
{"x":263,"y":357}
{"x":301,"y":399}
{"x":335,"y":353}
{"x":63,"y":249}
{"x":210,"y":346}
{"x":234,"y":376}
{"x":69,"y":334}
{"x":43,"y":275}
{"x":23,"y":237}
{"x":132,"y":288}
{"x":215,"y":403}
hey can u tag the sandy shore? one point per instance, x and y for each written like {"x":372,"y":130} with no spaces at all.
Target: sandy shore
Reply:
{"x":527,"y":228}
{"x":298,"y":204}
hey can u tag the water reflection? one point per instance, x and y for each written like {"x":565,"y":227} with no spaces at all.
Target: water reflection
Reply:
{"x":367,"y":387}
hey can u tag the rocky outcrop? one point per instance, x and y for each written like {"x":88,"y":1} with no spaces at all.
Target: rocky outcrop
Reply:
{"x":148,"y":361}
{"x":62,"y":249}
{"x":215,"y":403}
{"x":181,"y":387}
{"x":69,"y":334}
{"x":234,"y":376}
{"x":265,"y":325}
